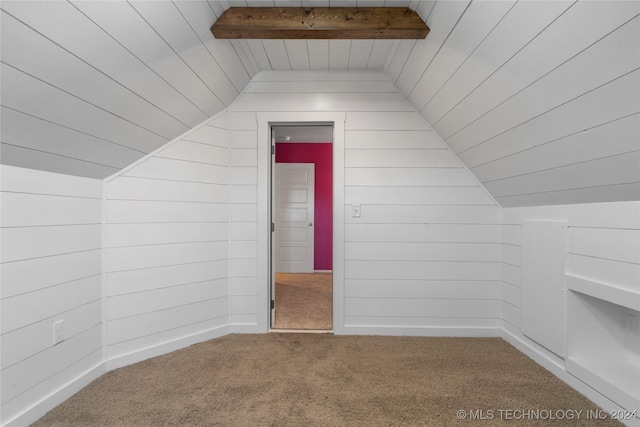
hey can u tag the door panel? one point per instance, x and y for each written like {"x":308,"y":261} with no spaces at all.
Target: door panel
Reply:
{"x":294,"y":217}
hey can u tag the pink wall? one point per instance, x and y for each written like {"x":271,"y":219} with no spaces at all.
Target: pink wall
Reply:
{"x":321,"y":154}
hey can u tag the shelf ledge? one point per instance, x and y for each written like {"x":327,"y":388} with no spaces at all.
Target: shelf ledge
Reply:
{"x":619,"y":296}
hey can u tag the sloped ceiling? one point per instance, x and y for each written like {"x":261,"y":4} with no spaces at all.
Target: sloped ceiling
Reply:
{"x":540,"y":99}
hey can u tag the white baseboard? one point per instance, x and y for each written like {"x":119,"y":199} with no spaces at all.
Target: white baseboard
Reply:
{"x":420,"y":331}
{"x":166,"y":347}
{"x":250,"y":328}
{"x":559,"y":371}
{"x":323,"y":271}
{"x":39,"y":409}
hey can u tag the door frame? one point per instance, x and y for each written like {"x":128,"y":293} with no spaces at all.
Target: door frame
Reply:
{"x":265,"y":121}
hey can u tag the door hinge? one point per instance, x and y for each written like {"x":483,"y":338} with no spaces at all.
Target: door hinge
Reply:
{"x":273,"y":150}
{"x":273,"y":227}
{"x":273,"y":304}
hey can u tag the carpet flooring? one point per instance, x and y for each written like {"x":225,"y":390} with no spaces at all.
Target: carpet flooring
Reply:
{"x":304,"y":301}
{"x":325,"y":380}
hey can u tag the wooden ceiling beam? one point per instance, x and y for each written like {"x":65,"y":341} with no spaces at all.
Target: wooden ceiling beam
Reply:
{"x":319,"y":23}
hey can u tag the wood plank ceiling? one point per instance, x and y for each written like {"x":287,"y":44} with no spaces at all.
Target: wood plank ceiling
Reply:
{"x":539,"y":99}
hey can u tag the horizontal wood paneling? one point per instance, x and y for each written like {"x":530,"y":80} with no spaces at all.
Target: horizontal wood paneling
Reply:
{"x":372,"y":140}
{"x":49,"y":302}
{"x":23,"y":243}
{"x":503,"y":82}
{"x":390,"y":307}
{"x":464,"y":30}
{"x":443,"y":324}
{"x":20,"y":209}
{"x":322,"y":86}
{"x":520,"y":25}
{"x":179,"y":170}
{"x":407,"y":176}
{"x":424,"y":217}
{"x":432,"y":289}
{"x":157,"y":322}
{"x":166,"y":276}
{"x":621,"y":245}
{"x":576,"y":116}
{"x":14,"y":155}
{"x":25,"y":45}
{"x":77,"y":320}
{"x":174,"y":335}
{"x":40,"y":273}
{"x":421,"y":270}
{"x":139,"y":189}
{"x":362,"y":101}
{"x":400,"y":158}
{"x":196,"y":152}
{"x":123,"y":235}
{"x":135,"y":304}
{"x":549,"y":50}
{"x":425,"y":214}
{"x":139,"y":75}
{"x":608,"y":193}
{"x":51,"y":264}
{"x":517,"y":98}
{"x":77,"y":113}
{"x":419,"y":251}
{"x":167,"y":243}
{"x":29,"y":375}
{"x":416,"y":195}
{"x":610,"y":271}
{"x":385,"y":120}
{"x":140,"y":211}
{"x":25,"y":131}
{"x":621,"y":168}
{"x":398,"y":232}
{"x":602,"y":245}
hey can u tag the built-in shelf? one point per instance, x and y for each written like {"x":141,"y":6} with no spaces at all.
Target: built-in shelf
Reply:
{"x":610,"y":379}
{"x":603,"y":339}
{"x":619,"y":296}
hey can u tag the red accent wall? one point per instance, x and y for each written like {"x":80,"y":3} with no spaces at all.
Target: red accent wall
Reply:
{"x":320,"y":154}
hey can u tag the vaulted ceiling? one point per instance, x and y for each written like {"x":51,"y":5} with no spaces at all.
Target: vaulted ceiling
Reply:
{"x":539,"y":95}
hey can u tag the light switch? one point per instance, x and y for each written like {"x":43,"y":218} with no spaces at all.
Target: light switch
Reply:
{"x":355,"y":211}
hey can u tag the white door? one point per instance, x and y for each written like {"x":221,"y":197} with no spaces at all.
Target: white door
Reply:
{"x":293,"y":212}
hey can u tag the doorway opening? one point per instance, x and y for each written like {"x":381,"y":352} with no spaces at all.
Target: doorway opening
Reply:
{"x":302,"y":227}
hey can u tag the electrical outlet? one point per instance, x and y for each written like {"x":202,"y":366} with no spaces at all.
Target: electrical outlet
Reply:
{"x":58,"y":332}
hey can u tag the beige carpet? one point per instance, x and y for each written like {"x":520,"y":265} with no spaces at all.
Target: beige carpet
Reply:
{"x":325,"y":380}
{"x":304,"y":301}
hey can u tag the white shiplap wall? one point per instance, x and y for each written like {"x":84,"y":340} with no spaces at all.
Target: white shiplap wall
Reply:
{"x":424,"y":254}
{"x":90,"y":87}
{"x":167,"y":247}
{"x":526,"y":92}
{"x":603,"y":245}
{"x":243,"y":255}
{"x":50,"y":270}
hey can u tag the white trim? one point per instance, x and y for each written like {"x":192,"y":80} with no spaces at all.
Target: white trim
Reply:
{"x":323,"y":271}
{"x":103,"y":270}
{"x":559,"y":371}
{"x":264,"y":214}
{"x":55,"y":398}
{"x":422,"y":331}
{"x":166,"y":347}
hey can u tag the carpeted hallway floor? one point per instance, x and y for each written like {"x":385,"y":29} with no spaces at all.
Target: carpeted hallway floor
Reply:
{"x":326,"y":380}
{"x":304,"y":301}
